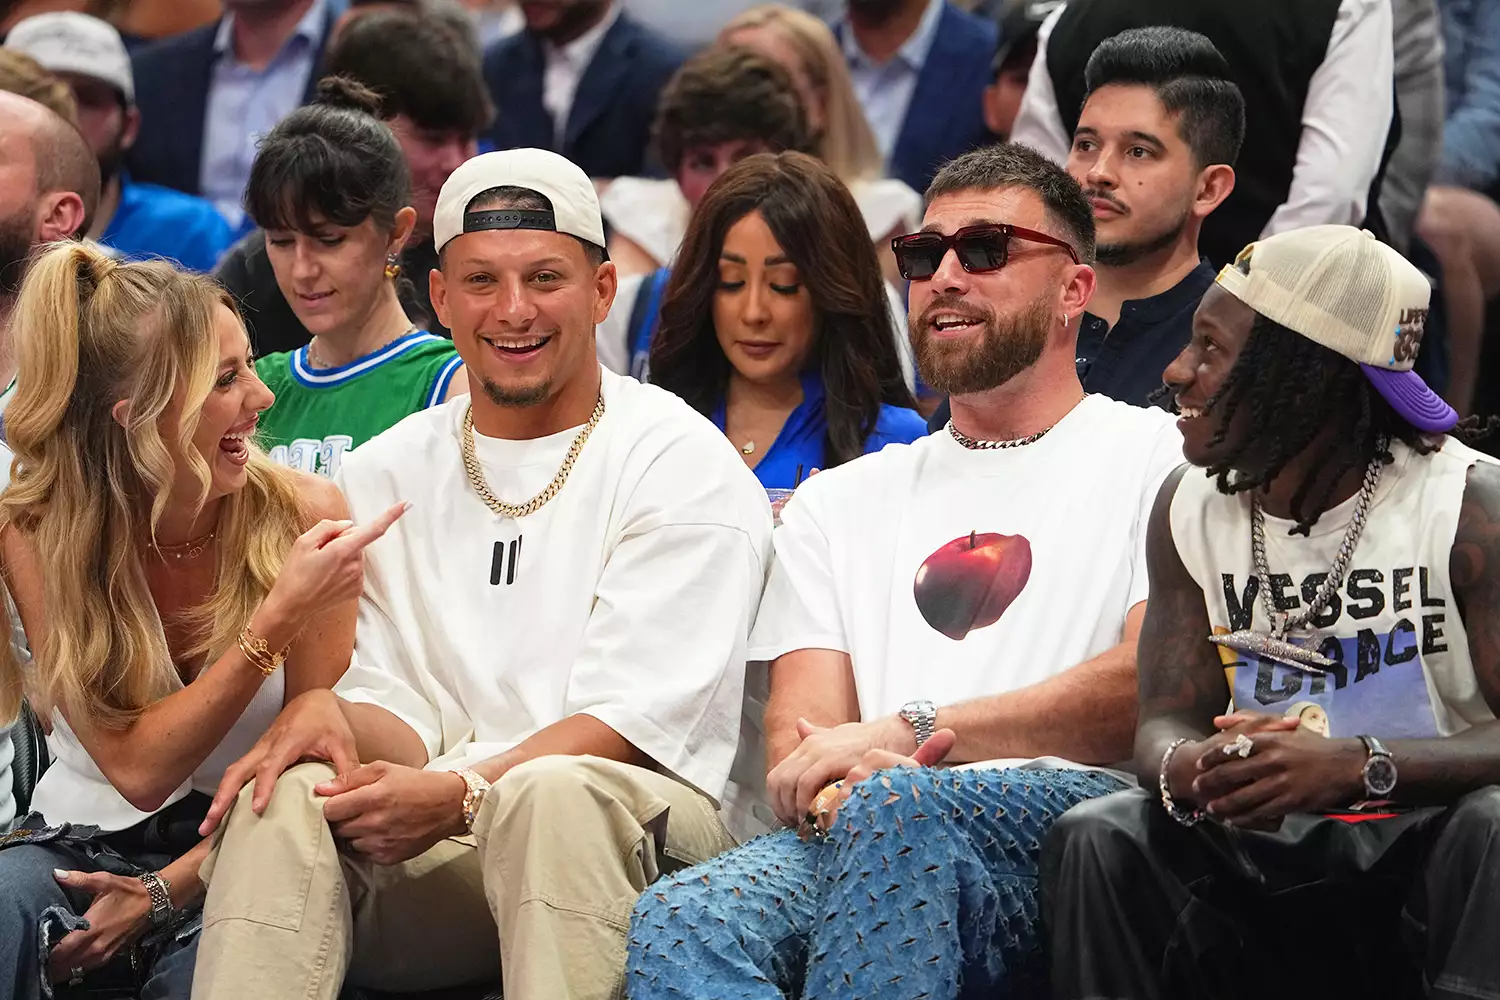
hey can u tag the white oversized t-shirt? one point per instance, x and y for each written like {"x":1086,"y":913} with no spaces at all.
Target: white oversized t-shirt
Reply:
{"x":629,"y":596}
{"x":949,"y":574}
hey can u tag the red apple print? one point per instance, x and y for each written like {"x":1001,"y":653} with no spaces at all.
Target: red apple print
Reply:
{"x":968,"y":583}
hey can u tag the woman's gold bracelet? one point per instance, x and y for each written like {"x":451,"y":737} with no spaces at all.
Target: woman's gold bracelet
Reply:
{"x":258,"y":652}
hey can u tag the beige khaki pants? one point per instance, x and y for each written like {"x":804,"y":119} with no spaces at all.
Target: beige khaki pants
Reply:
{"x":563,"y":847}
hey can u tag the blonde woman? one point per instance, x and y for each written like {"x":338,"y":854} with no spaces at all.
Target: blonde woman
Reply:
{"x":807,"y":49}
{"x":176,"y":587}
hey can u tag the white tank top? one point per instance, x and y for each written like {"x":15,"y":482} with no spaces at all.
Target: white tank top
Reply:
{"x":1393,"y":626}
{"x":74,"y":790}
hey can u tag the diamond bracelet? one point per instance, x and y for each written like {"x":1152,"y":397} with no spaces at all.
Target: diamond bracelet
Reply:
{"x":1175,"y":811}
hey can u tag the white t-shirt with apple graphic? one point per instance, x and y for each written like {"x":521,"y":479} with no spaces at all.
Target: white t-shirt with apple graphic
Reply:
{"x":947,"y":574}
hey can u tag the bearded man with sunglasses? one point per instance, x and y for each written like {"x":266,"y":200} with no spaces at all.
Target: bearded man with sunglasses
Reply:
{"x":975,"y":595}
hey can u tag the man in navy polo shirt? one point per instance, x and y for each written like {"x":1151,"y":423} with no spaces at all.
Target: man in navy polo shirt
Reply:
{"x":1154,"y":151}
{"x":136,"y":219}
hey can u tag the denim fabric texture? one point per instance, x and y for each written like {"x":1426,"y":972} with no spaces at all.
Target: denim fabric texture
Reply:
{"x":36,"y":912}
{"x":924,"y":889}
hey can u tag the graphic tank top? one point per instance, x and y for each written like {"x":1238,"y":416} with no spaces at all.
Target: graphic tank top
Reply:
{"x":320,"y":413}
{"x":1402,"y":668}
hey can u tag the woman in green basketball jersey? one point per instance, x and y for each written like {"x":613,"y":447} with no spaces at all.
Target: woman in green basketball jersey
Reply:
{"x":331,"y":190}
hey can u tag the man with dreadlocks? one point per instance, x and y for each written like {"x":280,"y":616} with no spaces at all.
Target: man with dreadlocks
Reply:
{"x":1334,"y":580}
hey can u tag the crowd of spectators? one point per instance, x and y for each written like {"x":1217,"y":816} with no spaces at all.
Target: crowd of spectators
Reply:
{"x":709,"y":498}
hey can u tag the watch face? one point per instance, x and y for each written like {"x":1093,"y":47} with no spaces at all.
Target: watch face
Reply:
{"x":919,"y":708}
{"x":1380,"y":775}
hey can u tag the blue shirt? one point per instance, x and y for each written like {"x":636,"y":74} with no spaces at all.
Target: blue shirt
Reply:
{"x":1471,"y":70}
{"x":153,"y":221}
{"x":245,"y":103}
{"x":884,"y":89}
{"x":800,"y":443}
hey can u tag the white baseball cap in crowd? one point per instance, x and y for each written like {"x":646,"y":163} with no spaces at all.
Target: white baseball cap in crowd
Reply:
{"x":70,"y":42}
{"x":1341,"y":287}
{"x":575,"y":203}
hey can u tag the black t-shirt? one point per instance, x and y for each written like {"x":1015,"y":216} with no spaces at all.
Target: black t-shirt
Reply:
{"x":246,"y":271}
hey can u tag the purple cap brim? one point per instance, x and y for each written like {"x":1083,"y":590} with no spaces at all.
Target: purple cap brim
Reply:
{"x":1413,"y":399}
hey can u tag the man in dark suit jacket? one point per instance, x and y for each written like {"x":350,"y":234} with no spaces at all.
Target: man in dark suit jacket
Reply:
{"x":261,"y":61}
{"x":596,"y":104}
{"x":920,"y":69}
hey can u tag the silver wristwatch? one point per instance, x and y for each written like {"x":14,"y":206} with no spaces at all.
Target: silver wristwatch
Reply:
{"x":922,"y":715}
{"x":159,"y":889}
{"x":1380,"y":769}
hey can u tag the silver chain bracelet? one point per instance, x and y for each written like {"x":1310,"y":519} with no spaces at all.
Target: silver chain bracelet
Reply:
{"x":1175,"y":811}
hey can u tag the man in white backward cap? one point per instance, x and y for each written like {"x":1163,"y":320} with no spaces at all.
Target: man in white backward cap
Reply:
{"x":548,"y":670}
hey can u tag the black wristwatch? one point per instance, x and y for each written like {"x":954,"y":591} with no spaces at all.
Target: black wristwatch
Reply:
{"x":1380,"y":769}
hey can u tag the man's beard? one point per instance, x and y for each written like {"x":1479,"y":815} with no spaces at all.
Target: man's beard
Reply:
{"x":1125,"y":254}
{"x":110,"y":160}
{"x":876,"y":11}
{"x":15,"y":251}
{"x":572,"y":19}
{"x":517,"y":398}
{"x":1004,"y":349}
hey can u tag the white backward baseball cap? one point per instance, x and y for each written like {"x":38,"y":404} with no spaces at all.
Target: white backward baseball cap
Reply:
{"x":575,"y":203}
{"x":70,"y":42}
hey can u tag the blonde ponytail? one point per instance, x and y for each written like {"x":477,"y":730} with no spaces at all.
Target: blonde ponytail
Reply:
{"x":87,"y":492}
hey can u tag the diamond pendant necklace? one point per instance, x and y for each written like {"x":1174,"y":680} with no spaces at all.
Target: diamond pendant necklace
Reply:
{"x":1274,"y":644}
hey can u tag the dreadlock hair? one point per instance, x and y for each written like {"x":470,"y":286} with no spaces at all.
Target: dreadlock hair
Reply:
{"x":1294,"y":391}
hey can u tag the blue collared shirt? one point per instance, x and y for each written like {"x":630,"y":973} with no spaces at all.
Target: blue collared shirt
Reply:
{"x":884,"y":89}
{"x":798,"y":449}
{"x":244,"y":104}
{"x":154,"y":221}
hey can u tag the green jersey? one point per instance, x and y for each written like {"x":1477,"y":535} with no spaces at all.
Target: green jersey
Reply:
{"x":320,"y":413}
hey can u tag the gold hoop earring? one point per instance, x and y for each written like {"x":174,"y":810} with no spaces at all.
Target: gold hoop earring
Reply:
{"x":392,"y":268}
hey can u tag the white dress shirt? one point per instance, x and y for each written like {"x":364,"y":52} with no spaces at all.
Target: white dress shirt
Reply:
{"x":885,"y":89}
{"x":1345,"y":118}
{"x":565,"y":67}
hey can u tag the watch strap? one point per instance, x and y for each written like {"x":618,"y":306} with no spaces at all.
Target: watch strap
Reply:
{"x":922,"y":719}
{"x":474,"y":791}
{"x":159,"y":889}
{"x":1374,"y":746}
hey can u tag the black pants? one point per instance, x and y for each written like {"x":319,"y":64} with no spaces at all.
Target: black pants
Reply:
{"x":1139,"y":907}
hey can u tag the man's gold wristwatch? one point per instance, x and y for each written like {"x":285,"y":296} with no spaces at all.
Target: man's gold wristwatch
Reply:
{"x":473,"y":795}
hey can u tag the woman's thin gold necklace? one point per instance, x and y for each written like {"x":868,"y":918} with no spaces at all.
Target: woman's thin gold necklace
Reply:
{"x":476,"y":474}
{"x":316,"y":360}
{"x":190,"y":549}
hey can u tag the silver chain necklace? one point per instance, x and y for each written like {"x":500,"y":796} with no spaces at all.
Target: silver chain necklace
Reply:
{"x":316,"y":360}
{"x":1275,"y":644}
{"x":977,"y":444}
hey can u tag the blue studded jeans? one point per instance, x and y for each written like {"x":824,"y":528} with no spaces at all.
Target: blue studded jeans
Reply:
{"x":925,"y":889}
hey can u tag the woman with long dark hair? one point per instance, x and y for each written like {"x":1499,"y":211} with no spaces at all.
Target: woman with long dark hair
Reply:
{"x":775,"y":323}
